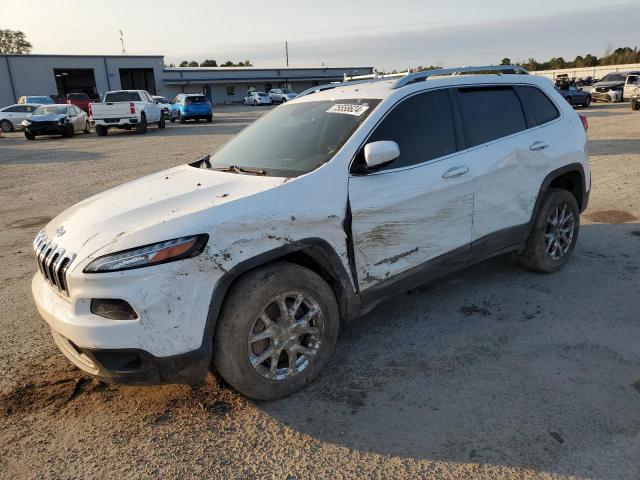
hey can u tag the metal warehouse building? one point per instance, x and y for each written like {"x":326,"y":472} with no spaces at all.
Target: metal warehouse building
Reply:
{"x":95,"y":75}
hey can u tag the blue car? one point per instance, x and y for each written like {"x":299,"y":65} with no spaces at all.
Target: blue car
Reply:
{"x":191,"y":106}
{"x":36,"y":99}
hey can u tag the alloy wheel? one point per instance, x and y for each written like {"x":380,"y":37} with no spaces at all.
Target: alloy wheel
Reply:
{"x":559,"y":232}
{"x":286,"y":336}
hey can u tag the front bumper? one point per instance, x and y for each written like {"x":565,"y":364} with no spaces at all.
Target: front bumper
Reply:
{"x":46,"y":129}
{"x":115,"y":122}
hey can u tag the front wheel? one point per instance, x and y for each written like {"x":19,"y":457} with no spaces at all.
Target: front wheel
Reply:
{"x":161,"y":122}
{"x":277,"y":330}
{"x":68,"y":131}
{"x":209,"y":118}
{"x":554,"y":234}
{"x":587,"y":101}
{"x":182,"y":119}
{"x":29,"y":135}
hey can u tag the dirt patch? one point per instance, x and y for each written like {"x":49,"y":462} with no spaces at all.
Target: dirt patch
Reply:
{"x":611,"y":216}
{"x":29,"y":222}
{"x":474,"y":310}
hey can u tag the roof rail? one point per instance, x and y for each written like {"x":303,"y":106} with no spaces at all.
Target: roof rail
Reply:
{"x":421,"y":76}
{"x":329,"y":86}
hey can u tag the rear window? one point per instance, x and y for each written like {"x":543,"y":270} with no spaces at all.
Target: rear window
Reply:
{"x":78,"y":96}
{"x":537,"y":105}
{"x":490,"y":113}
{"x":122,"y":97}
{"x":199,"y":99}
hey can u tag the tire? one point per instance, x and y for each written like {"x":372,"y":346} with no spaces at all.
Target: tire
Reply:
{"x":87,"y":127}
{"x":587,"y":102}
{"x":142,"y":126}
{"x":29,"y":136}
{"x":254,"y":297}
{"x":255,"y":103}
{"x":283,"y":100}
{"x":161,"y":122}
{"x":101,"y":130}
{"x":182,"y":119}
{"x":539,"y":250}
{"x":6,"y":126}
{"x":68,"y":132}
{"x":635,"y":106}
{"x":210,"y":119}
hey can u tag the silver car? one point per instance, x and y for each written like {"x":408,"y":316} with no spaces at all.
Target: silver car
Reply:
{"x":282,"y":94}
{"x":257,"y":98}
{"x":11,"y":117}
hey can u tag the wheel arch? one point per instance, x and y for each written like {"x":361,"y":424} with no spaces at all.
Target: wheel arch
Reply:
{"x":313,"y":253}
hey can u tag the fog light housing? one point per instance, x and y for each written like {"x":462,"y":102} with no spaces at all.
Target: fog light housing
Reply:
{"x":113,"y":309}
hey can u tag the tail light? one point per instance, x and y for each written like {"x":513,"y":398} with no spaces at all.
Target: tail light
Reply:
{"x":585,"y":122}
{"x":132,"y":108}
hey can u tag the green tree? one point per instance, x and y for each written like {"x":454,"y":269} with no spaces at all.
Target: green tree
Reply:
{"x":209,"y":63}
{"x":14,"y":41}
{"x":193,"y":63}
{"x":505,"y":61}
{"x":184,"y":63}
{"x":228,"y":63}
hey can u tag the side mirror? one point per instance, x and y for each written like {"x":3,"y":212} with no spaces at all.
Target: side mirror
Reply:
{"x":379,"y":153}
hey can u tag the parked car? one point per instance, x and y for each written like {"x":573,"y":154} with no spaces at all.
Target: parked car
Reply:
{"x":611,"y":87}
{"x":164,"y":105}
{"x":191,"y":106}
{"x":282,"y":95}
{"x":11,"y":117}
{"x":257,"y":98}
{"x":574,"y":96}
{"x":125,"y":109}
{"x":249,"y":259}
{"x":64,"y":120}
{"x":80,"y":100}
{"x":635,"y":99}
{"x":36,"y":99}
{"x":631,"y":83}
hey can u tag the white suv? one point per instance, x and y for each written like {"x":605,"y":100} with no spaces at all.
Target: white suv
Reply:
{"x":249,"y":259}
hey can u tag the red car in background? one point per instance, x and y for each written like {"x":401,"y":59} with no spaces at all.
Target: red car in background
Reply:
{"x":80,"y":100}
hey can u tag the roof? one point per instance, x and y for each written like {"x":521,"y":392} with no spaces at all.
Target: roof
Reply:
{"x":259,"y":69}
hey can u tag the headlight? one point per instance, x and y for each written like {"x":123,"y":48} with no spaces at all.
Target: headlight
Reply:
{"x":154,"y":254}
{"x":26,"y":123}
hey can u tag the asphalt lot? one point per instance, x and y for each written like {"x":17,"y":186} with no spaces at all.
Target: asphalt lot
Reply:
{"x":492,"y":372}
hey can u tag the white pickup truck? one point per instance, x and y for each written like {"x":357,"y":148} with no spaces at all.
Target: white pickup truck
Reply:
{"x":126,"y":109}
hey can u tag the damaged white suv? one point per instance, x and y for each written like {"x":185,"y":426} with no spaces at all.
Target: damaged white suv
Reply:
{"x":248,"y":260}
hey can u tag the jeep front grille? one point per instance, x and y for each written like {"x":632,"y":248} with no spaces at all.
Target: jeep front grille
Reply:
{"x":53,"y":261}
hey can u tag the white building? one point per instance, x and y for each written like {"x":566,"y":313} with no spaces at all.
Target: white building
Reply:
{"x":95,"y":75}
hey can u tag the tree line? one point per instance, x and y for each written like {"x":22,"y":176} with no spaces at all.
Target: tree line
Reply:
{"x":619,"y":56}
{"x":211,"y":63}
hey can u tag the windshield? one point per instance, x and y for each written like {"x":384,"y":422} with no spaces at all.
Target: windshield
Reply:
{"x":613,"y":77}
{"x":261,"y":94}
{"x":39,"y":100}
{"x":294,"y":139}
{"x":198,"y":99}
{"x":161,"y":100}
{"x":50,"y":109}
{"x":122,"y":97}
{"x":286,"y":90}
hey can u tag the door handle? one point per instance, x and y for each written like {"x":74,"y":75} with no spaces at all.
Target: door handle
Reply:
{"x":455,"y":172}
{"x":539,"y":145}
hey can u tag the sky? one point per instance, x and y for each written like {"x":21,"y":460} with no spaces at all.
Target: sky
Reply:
{"x":381,"y":33}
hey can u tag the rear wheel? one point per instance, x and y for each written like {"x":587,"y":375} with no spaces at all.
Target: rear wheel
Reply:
{"x":554,"y":234}
{"x":142,"y":126}
{"x":635,"y":105}
{"x":587,"y":101}
{"x":276,"y":332}
{"x":101,"y":130}
{"x":6,"y":126}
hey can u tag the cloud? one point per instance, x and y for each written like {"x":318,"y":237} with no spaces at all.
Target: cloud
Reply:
{"x":583,"y":31}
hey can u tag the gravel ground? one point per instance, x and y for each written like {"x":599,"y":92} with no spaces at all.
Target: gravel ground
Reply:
{"x":492,"y":372}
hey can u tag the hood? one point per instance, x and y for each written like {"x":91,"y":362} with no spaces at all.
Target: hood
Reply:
{"x":167,"y":204}
{"x":612,"y":83}
{"x":49,"y":117}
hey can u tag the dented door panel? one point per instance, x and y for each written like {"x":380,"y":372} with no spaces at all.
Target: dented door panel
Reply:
{"x":404,"y":218}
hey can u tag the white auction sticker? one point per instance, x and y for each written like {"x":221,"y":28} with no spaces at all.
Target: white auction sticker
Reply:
{"x":348,"y":109}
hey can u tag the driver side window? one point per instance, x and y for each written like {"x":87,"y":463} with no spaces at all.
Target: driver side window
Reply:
{"x":422,"y":125}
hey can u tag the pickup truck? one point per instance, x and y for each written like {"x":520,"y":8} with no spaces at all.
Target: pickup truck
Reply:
{"x":126,"y":109}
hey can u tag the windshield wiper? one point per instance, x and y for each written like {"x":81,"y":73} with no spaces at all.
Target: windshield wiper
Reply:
{"x":240,"y":170}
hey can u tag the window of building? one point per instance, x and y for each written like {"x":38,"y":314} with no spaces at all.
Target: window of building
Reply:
{"x":231,"y":90}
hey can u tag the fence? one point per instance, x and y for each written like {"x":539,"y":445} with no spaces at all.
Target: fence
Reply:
{"x":582,"y":72}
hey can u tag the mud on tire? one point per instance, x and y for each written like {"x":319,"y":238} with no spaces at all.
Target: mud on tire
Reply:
{"x":276,"y":332}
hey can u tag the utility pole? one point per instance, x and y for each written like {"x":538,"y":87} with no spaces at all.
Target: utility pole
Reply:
{"x":124,"y":50}
{"x":286,"y":50}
